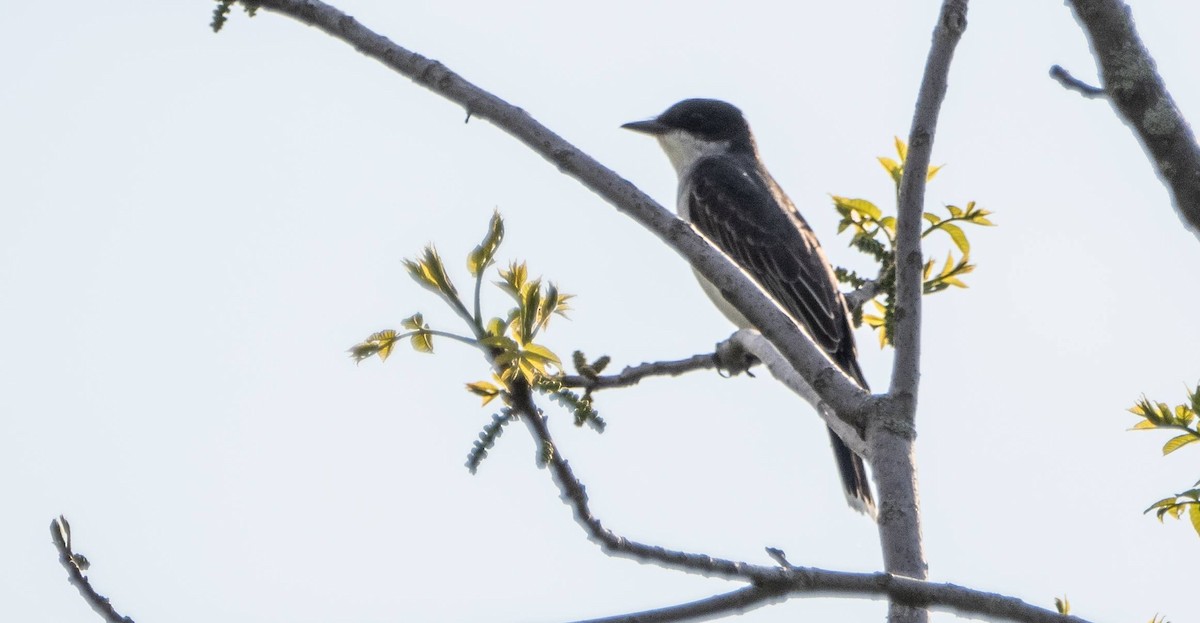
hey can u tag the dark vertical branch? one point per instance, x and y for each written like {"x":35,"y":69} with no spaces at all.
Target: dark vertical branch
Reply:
{"x":891,"y":431}
{"x":1137,"y":92}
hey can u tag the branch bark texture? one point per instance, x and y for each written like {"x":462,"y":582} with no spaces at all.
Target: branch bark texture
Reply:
{"x":891,"y":430}
{"x":1140,"y":97}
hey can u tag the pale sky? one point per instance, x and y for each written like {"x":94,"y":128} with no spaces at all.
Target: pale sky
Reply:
{"x":195,"y":227}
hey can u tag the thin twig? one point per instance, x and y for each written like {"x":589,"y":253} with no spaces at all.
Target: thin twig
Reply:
{"x":1141,"y":99}
{"x":632,"y":375}
{"x":859,"y":297}
{"x":60,"y":535}
{"x":1072,"y":83}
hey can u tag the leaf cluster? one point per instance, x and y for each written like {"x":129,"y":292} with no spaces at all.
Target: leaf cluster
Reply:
{"x":874,"y":234}
{"x":1181,"y":419}
{"x":508,"y":340}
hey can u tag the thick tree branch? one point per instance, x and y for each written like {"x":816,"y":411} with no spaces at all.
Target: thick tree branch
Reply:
{"x":834,"y":387}
{"x":75,"y":564}
{"x":891,"y":432}
{"x":810,"y":582}
{"x":1140,"y":98}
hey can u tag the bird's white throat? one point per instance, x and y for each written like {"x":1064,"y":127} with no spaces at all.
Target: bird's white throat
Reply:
{"x":685,"y":150}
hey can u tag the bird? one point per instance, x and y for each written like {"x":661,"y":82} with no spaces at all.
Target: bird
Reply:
{"x":728,"y":196}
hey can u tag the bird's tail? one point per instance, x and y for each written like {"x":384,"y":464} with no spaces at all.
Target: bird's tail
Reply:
{"x":854,"y":476}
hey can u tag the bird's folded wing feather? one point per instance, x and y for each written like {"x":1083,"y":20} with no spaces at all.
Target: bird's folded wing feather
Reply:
{"x":743,"y":213}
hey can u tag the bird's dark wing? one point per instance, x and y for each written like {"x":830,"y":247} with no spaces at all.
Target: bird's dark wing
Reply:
{"x":744,"y":213}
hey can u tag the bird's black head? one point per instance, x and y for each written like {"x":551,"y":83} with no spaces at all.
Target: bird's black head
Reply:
{"x":705,"y":119}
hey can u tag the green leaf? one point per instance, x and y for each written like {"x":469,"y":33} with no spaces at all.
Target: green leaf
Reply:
{"x":378,"y":343}
{"x":430,"y":272}
{"x":862,"y":206}
{"x":1179,"y":442}
{"x":1063,"y":605}
{"x":513,"y":280}
{"x":421,"y":341}
{"x":1162,"y":504}
{"x":484,"y":390}
{"x":499,"y":342}
{"x":956,"y":234}
{"x":480,"y":258}
{"x":414,"y":322}
{"x":537,"y":351}
{"x":496,"y":327}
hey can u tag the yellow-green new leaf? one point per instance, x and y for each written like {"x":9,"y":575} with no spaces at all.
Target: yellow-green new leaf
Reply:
{"x":496,"y":327}
{"x":421,"y":341}
{"x":378,"y":343}
{"x":872,"y":321}
{"x":933,"y":171}
{"x":481,"y":257}
{"x":959,"y":238}
{"x":862,"y":206}
{"x":513,"y":279}
{"x":500,"y":343}
{"x":1063,"y":605}
{"x":1178,"y":442}
{"x":414,"y":322}
{"x":901,"y":149}
{"x":890,"y":165}
{"x":539,"y":352}
{"x":484,"y":390}
{"x":1194,"y":515}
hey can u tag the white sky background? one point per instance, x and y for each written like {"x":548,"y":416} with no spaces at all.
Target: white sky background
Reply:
{"x":195,"y":227}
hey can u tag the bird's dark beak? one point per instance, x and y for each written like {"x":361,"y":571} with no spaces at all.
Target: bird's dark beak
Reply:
{"x":649,"y":126}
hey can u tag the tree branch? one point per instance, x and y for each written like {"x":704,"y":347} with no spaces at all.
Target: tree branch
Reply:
{"x":75,"y":564}
{"x":890,"y":433}
{"x":740,"y":601}
{"x":838,"y":390}
{"x":632,"y":375}
{"x":810,"y":582}
{"x":859,"y":297}
{"x":1140,"y":98}
{"x":770,"y":583}
{"x":1072,"y":83}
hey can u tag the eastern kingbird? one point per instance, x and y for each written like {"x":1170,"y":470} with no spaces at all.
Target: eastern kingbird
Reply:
{"x":726,"y":193}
